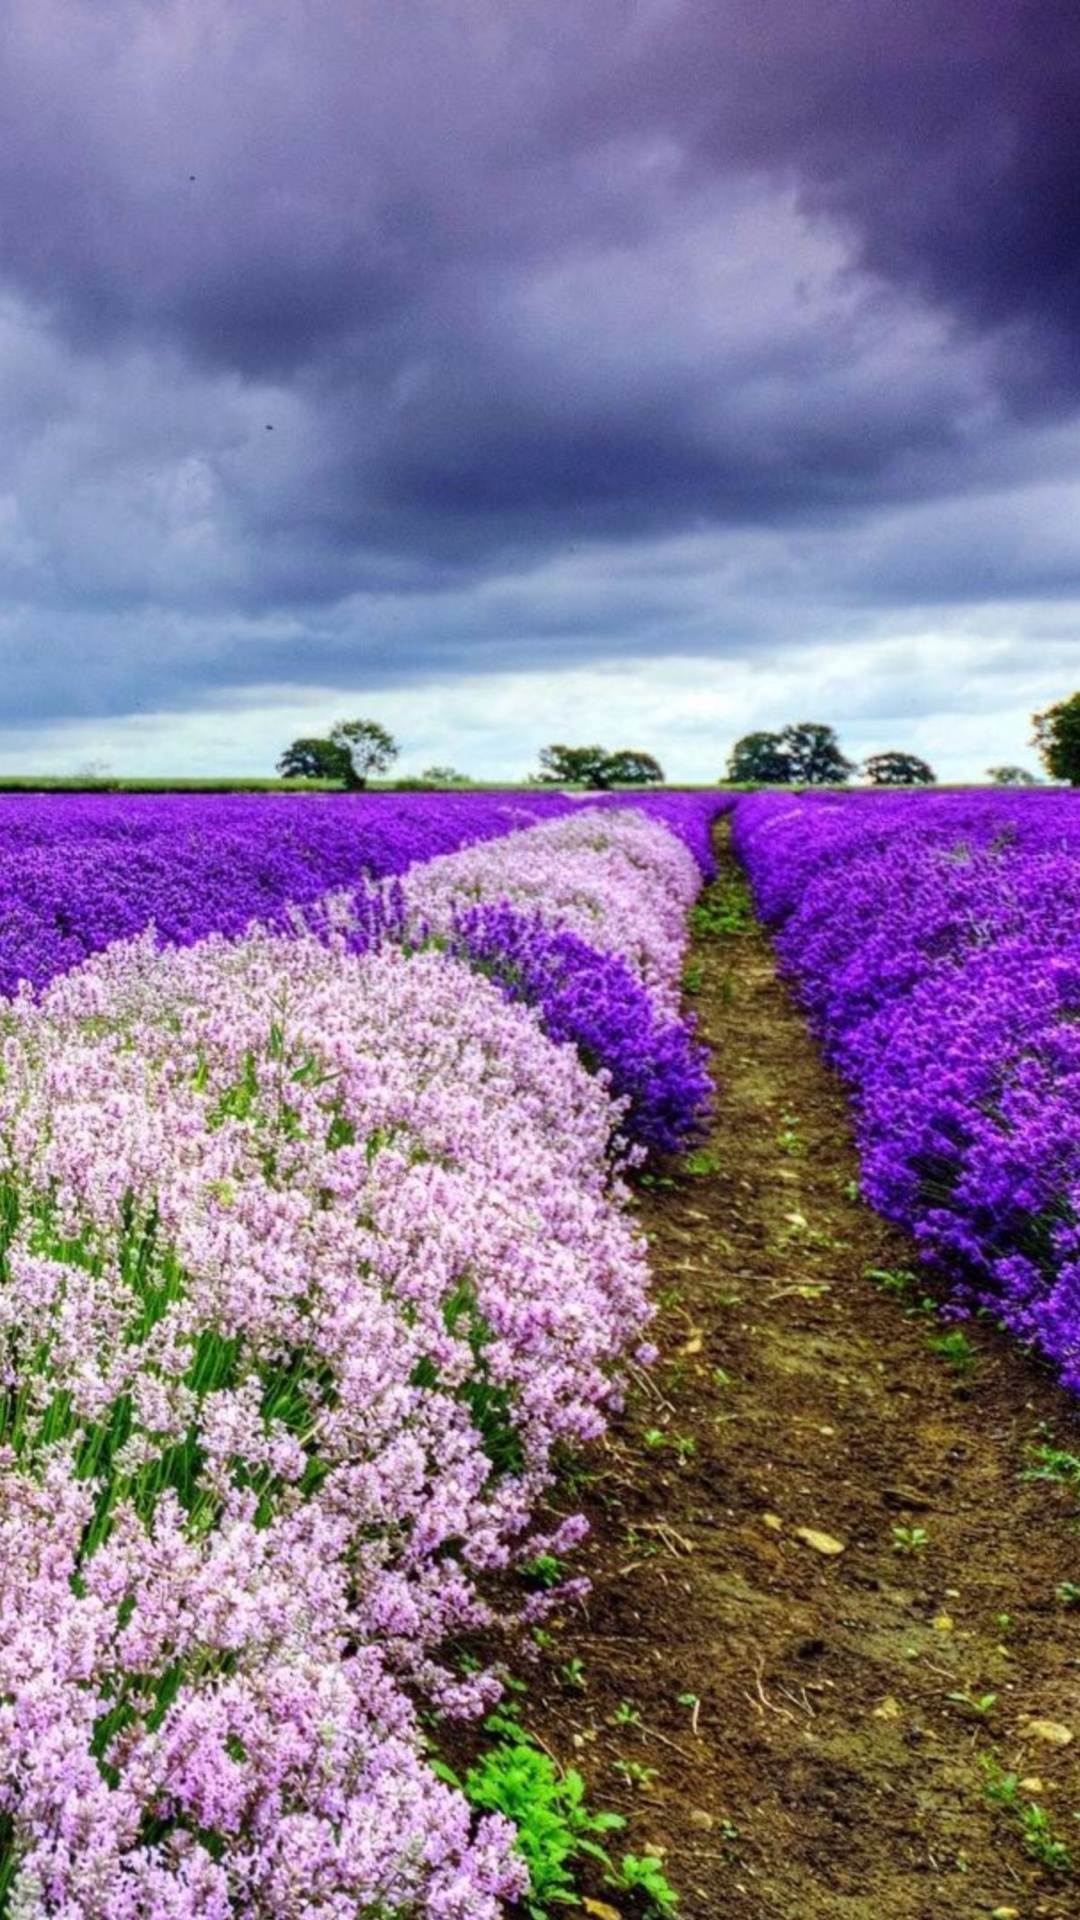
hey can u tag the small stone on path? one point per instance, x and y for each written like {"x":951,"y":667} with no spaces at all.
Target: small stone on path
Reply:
{"x":1051,"y":1731}
{"x":889,"y":1709}
{"x":820,"y":1542}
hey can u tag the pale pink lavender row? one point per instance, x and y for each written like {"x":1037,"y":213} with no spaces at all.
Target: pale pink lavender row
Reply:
{"x":80,"y":870}
{"x":312,"y":1259}
{"x":935,"y":940}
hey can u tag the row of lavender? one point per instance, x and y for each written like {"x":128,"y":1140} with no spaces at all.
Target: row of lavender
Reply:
{"x":935,"y":941}
{"x":78,"y":871}
{"x":315,"y":1248}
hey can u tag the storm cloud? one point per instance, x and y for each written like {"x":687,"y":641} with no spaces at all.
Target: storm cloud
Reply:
{"x":389,"y":348}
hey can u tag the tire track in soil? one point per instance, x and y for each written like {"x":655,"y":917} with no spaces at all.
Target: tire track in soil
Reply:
{"x":820,"y":1769}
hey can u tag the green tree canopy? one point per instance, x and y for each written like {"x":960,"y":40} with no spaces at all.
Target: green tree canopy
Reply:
{"x":445,"y":777}
{"x":1057,"y":736}
{"x":367,"y":748}
{"x":805,"y":754}
{"x":311,"y":759}
{"x":629,"y":767}
{"x":892,"y":769}
{"x":1011,"y":777}
{"x":760,"y":758}
{"x":595,"y":767}
{"x":814,"y":755}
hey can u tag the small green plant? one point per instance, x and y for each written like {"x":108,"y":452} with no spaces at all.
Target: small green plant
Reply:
{"x":701,"y":1163}
{"x":909,"y":1540}
{"x":980,"y":1704}
{"x":634,"y":1772}
{"x":693,"y":978}
{"x":1052,"y":1463}
{"x":645,"y":1545}
{"x":852,"y":1190}
{"x":998,"y":1785}
{"x":683,"y":1445}
{"x":898,"y":1281}
{"x":555,"y":1825}
{"x":789,"y":1140}
{"x":1068,"y":1593}
{"x":572,"y":1674}
{"x":626,"y":1715}
{"x":1041,"y":1843}
{"x":955,"y":1347}
{"x":642,"y":1873}
{"x":546,"y":1570}
{"x":724,"y":907}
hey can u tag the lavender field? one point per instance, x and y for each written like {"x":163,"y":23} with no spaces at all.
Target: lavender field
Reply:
{"x":320,"y":1119}
{"x":935,"y":943}
{"x":315,"y":1122}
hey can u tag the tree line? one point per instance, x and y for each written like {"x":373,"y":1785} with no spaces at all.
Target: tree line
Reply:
{"x":806,"y":753}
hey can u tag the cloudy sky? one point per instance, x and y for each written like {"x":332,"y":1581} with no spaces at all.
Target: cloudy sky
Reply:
{"x":642,"y":371}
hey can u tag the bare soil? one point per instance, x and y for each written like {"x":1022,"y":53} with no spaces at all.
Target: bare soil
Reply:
{"x":803,"y":1727}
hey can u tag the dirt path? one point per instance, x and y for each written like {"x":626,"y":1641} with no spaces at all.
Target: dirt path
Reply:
{"x":770,"y":1708}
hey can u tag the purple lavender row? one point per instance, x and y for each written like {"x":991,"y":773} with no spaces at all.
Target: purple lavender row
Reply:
{"x":311,"y":1260}
{"x":935,"y":942}
{"x":79,"y":871}
{"x":583,"y":918}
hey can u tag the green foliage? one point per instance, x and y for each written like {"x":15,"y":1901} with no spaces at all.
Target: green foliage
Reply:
{"x":759,"y":759}
{"x":814,"y":755}
{"x":980,"y":1704}
{"x":1010,"y":777}
{"x":806,"y":753}
{"x":1052,"y":1463}
{"x":641,"y":1873}
{"x":1057,"y":737}
{"x":444,"y":777}
{"x":312,"y":759}
{"x":352,"y":751}
{"x":955,"y":1347}
{"x":546,"y":1570}
{"x":724,"y":907}
{"x":898,"y":1281}
{"x":1040,"y":1842}
{"x":909,"y":1540}
{"x":367,"y":749}
{"x":893,"y":769}
{"x":597,"y":768}
{"x":555,"y":1826}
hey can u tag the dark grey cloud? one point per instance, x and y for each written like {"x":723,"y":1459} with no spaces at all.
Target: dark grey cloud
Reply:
{"x":332,"y":338}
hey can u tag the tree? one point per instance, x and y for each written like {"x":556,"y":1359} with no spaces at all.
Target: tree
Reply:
{"x":813,"y":754}
{"x":892,"y":769}
{"x":310,"y":759}
{"x":1057,"y":736}
{"x":759,"y":758}
{"x":445,"y":777}
{"x":805,"y":754}
{"x":596,"y":768}
{"x":367,"y":748}
{"x":629,"y":767}
{"x":572,"y":767}
{"x":1011,"y":777}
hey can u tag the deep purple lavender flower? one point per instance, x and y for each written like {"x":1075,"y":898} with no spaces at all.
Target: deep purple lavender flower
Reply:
{"x":593,"y":1000}
{"x":934,"y":942}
